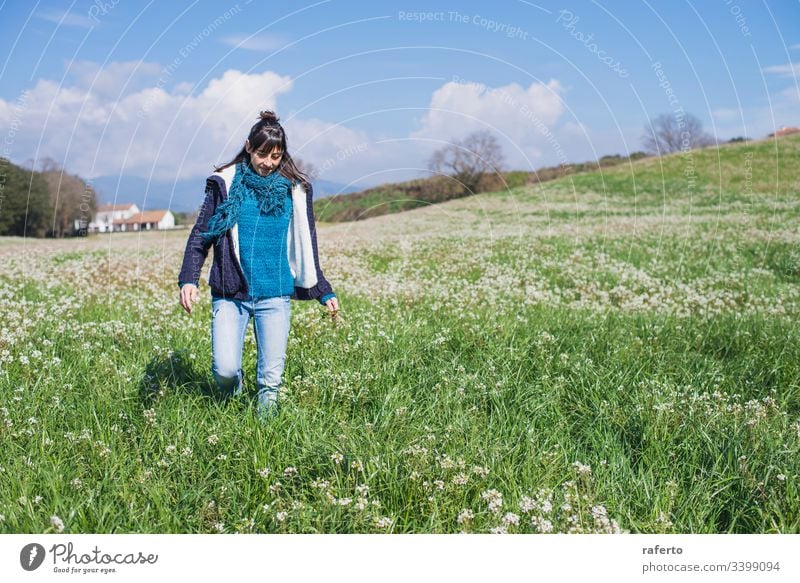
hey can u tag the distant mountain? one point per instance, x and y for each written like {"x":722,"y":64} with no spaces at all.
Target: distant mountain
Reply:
{"x":180,"y":195}
{"x":323,"y":188}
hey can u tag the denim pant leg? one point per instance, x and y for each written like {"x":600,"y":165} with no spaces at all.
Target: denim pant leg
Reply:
{"x":229,"y":319}
{"x":271,"y":320}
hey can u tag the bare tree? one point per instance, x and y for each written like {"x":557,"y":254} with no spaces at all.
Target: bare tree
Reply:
{"x":306,"y":168}
{"x":675,"y":133}
{"x":468,"y":159}
{"x":72,"y":201}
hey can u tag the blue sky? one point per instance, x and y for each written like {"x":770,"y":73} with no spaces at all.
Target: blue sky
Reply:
{"x":367,"y":91}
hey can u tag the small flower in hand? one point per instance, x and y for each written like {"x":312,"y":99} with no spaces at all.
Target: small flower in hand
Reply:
{"x":333,"y":308}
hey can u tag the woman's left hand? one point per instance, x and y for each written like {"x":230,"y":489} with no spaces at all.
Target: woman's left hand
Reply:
{"x":333,"y":305}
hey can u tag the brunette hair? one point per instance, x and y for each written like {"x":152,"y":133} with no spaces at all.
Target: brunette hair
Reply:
{"x":266,"y":135}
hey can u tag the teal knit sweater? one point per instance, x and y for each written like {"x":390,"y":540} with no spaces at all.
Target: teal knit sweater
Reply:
{"x":262,"y":250}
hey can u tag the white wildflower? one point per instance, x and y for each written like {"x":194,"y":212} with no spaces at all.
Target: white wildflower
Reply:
{"x":480,"y":471}
{"x":582,"y":469}
{"x":150,"y":416}
{"x":465,"y":516}
{"x":527,"y":504}
{"x":541,"y":524}
{"x":511,"y":519}
{"x":494,"y":500}
{"x":460,"y":479}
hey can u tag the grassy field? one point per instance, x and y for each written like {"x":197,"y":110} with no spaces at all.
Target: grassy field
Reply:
{"x":608,"y":352}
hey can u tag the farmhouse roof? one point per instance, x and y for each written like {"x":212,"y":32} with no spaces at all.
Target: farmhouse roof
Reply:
{"x":143,"y":217}
{"x":784,"y":131}
{"x":115,"y":207}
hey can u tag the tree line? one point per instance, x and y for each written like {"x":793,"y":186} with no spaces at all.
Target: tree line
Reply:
{"x":48,"y":202}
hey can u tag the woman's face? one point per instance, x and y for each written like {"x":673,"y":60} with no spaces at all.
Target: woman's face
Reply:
{"x":263,"y":162}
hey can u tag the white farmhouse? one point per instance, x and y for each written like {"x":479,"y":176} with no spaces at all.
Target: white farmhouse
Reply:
{"x":108,"y":213}
{"x":146,"y":221}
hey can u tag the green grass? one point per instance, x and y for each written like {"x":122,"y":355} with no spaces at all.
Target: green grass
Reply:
{"x":662,"y":411}
{"x":571,"y":377}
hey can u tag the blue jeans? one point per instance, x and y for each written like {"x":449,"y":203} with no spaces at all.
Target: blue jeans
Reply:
{"x":229,"y":320}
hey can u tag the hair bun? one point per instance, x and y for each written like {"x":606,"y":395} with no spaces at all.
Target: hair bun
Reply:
{"x":268,"y":116}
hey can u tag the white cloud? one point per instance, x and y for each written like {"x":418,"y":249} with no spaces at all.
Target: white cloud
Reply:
{"x":94,"y":127}
{"x":115,"y":79}
{"x":787,"y":70}
{"x":66,"y":18}
{"x":264,"y":42}
{"x":527,"y":117}
{"x":343,"y":154}
{"x":346,"y":155}
{"x":171,"y":133}
{"x":172,"y":130}
{"x":183,"y":88}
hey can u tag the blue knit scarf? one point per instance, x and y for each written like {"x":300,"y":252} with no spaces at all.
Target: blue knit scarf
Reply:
{"x":270,"y":192}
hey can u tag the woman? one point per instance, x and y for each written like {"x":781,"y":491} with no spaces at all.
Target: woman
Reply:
{"x":258,"y":215}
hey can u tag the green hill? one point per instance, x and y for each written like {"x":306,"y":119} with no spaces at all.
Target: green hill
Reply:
{"x":741,"y":173}
{"x":403,"y":196}
{"x":738,"y":174}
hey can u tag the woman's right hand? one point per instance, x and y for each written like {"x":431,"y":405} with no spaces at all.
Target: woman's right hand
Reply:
{"x":189,"y":296}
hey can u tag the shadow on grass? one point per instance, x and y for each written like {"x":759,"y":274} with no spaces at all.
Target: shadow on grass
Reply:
{"x":176,"y":373}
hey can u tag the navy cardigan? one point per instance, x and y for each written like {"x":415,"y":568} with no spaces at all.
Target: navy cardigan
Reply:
{"x":227,"y":278}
